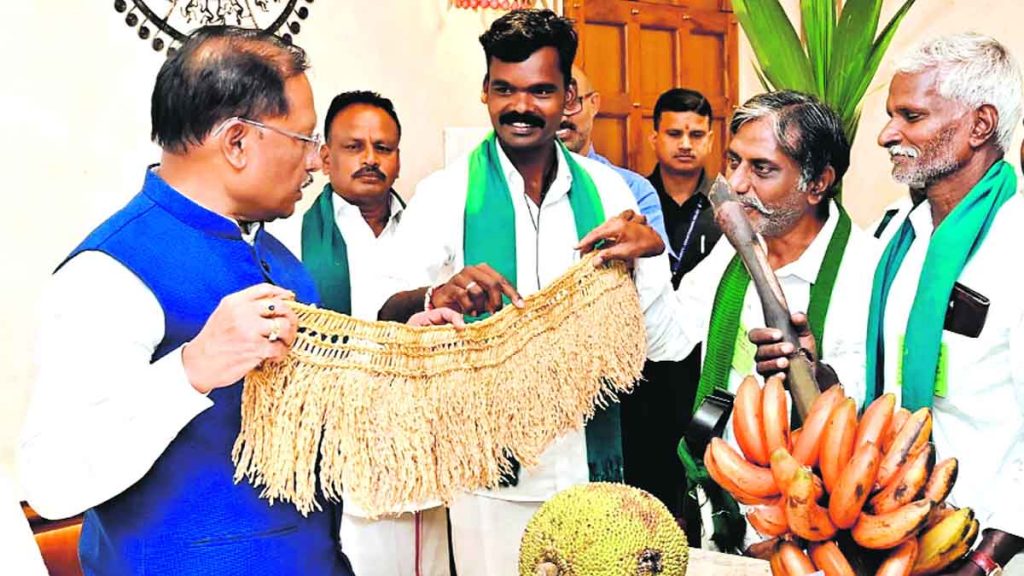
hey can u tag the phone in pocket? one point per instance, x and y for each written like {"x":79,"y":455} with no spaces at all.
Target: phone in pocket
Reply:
{"x":966,"y":312}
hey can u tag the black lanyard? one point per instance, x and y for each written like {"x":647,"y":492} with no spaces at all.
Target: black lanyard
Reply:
{"x":677,"y":265}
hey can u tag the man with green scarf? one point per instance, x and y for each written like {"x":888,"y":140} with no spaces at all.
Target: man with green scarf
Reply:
{"x":346,"y":244}
{"x":506,"y":220}
{"x":786,"y":157}
{"x":946,"y":327}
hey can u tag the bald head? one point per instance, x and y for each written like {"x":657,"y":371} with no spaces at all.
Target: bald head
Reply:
{"x":575,"y":131}
{"x":582,"y":81}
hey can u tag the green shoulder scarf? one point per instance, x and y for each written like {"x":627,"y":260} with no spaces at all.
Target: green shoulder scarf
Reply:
{"x":951,"y":246}
{"x":325,"y":254}
{"x":489,"y":237}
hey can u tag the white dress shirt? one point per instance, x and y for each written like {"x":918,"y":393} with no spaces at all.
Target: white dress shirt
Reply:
{"x":845,"y":322}
{"x":981,"y":419}
{"x":431,"y":238}
{"x":92,"y":430}
{"x":893,"y":215}
{"x":369,"y":256}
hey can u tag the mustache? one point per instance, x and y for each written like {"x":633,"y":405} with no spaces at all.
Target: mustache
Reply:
{"x":908,"y":151}
{"x":755,"y":203}
{"x":309,"y":180}
{"x":369,"y":171}
{"x":527,"y":118}
{"x":566,"y":125}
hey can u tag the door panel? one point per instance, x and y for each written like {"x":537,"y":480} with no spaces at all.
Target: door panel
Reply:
{"x":658,"y":63}
{"x":698,"y":4}
{"x":606,"y":49}
{"x":646,"y":158}
{"x":635,"y":50}
{"x":716,"y":163}
{"x":703,"y":59}
{"x":613,"y":135}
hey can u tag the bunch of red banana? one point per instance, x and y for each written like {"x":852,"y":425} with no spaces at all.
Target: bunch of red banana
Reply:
{"x":839,"y":488}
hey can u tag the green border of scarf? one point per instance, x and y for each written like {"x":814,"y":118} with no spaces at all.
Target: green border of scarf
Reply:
{"x":325,"y":254}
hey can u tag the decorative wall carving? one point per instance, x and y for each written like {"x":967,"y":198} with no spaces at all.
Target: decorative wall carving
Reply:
{"x":164,"y":24}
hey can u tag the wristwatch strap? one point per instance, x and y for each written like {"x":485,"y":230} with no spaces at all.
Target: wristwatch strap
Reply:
{"x":989,"y":566}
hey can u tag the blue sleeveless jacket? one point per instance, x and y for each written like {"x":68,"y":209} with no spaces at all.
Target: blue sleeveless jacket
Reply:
{"x":186,"y":515}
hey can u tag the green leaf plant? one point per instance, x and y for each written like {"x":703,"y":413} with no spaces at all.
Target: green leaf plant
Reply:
{"x":835,"y":60}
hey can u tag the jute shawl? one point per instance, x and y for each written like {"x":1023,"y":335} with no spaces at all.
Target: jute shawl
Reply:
{"x":399,"y":414}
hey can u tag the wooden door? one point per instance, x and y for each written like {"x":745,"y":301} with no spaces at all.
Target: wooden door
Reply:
{"x":635,"y":50}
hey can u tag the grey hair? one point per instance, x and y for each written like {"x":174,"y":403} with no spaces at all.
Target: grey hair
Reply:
{"x":974,"y":70}
{"x":806,"y":130}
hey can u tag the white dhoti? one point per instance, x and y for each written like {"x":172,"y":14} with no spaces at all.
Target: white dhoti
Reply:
{"x":411,"y":544}
{"x":486,"y":533}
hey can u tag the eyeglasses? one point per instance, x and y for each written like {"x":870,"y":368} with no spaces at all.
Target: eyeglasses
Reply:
{"x":312,"y":142}
{"x":575,"y":106}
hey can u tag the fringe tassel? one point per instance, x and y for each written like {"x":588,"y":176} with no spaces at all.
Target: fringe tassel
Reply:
{"x":400,"y":414}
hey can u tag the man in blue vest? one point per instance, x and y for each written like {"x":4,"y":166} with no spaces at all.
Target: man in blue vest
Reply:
{"x":152,"y":321}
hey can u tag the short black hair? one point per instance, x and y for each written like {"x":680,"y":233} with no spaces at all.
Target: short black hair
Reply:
{"x":681,"y":100}
{"x":807,"y":130}
{"x":217,"y":73}
{"x":518,"y":34}
{"x":346,"y":99}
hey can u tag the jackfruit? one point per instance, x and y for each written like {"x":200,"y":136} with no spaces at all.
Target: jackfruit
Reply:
{"x":603,"y":529}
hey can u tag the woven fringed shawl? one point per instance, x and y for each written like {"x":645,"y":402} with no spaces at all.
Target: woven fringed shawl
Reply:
{"x":399,"y":414}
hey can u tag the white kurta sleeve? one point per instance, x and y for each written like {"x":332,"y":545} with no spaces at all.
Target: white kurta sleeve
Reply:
{"x":667,"y":320}
{"x":101,"y":412}
{"x":288,"y":231}
{"x":845,"y":336}
{"x":683,"y":321}
{"x":1004,"y":501}
{"x":664,"y":319}
{"x":427,"y":244}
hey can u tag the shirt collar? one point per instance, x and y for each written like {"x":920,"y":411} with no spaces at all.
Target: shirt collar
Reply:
{"x":343,"y":208}
{"x":593,"y":155}
{"x":921,"y":219}
{"x":188,"y":211}
{"x":703,"y":185}
{"x":559,"y":186}
{"x":806,"y":267}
